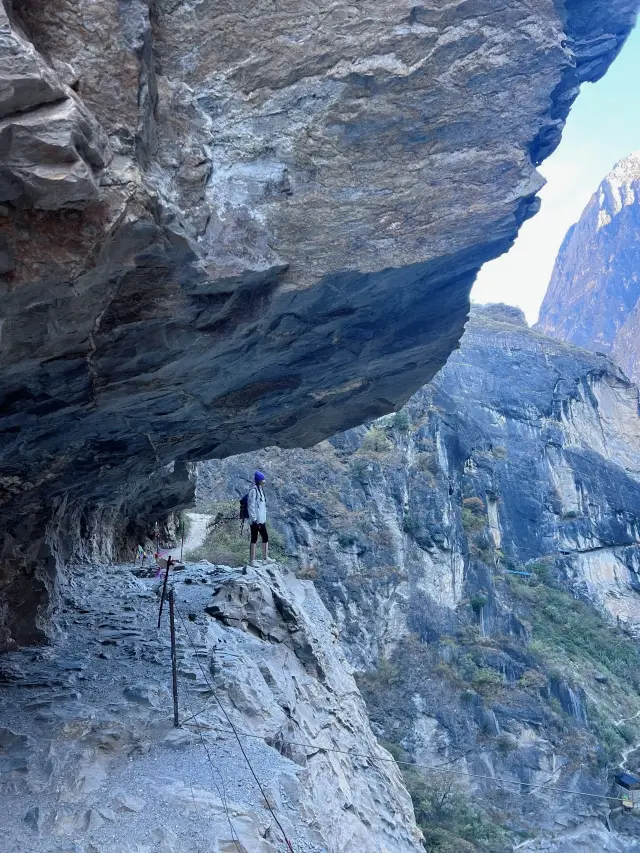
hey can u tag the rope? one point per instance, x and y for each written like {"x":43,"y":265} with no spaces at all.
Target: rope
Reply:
{"x":437,"y":768}
{"x":234,"y":731}
{"x":440,"y":768}
{"x":223,"y":793}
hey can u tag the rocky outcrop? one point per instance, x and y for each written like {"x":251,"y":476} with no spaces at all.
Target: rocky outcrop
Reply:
{"x":594,"y":294}
{"x":480,"y":553}
{"x":283,"y":242}
{"x":51,"y":147}
{"x":90,"y":761}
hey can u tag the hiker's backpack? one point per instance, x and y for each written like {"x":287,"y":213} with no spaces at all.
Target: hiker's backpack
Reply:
{"x":244,"y":510}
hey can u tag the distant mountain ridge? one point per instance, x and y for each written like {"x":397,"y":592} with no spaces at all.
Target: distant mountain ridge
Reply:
{"x":593,"y":299}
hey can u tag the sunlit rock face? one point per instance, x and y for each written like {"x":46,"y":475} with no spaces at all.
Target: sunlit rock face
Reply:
{"x":593,"y":296}
{"x":225,"y":228}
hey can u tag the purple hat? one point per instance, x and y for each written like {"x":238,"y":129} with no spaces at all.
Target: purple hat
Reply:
{"x":258,"y":477}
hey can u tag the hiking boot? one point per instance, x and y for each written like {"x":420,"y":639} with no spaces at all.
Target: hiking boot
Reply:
{"x":254,"y":564}
{"x":269,"y":560}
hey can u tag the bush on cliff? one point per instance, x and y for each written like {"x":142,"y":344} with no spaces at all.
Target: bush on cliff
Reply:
{"x":225,"y":544}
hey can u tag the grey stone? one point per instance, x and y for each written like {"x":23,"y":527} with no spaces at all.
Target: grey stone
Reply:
{"x":34,"y":819}
{"x":49,"y":156}
{"x":593,"y":299}
{"x":544,"y":439}
{"x":127,"y":802}
{"x":256,"y":273}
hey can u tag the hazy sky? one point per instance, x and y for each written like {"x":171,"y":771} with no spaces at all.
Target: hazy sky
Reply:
{"x":602,"y":128}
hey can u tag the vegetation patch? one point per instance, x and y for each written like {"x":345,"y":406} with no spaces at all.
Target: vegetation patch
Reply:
{"x":377,"y":441}
{"x":474,"y":518}
{"x":401,"y":421}
{"x":226,"y":545}
{"x":571,"y":637}
{"x":446,"y":816}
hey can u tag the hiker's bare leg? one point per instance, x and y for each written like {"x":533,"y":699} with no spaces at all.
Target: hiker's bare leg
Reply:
{"x":265,"y":550}
{"x":252,"y":553}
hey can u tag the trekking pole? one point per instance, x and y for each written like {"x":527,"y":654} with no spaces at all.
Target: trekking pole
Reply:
{"x":174,"y":663}
{"x":182,"y":541}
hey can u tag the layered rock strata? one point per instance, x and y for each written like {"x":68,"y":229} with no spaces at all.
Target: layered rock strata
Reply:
{"x":91,"y":763}
{"x":282,"y":242}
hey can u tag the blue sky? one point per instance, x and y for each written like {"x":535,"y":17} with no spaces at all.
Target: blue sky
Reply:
{"x":602,"y":128}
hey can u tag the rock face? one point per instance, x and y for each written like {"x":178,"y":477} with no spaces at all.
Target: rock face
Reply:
{"x":594,"y":294}
{"x":90,"y":761}
{"x":480,"y":552}
{"x":272,"y":237}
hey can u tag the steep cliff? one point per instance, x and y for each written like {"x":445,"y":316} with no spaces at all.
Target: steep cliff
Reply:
{"x":592,"y":299}
{"x":90,"y":761}
{"x":228,"y":227}
{"x":480,"y":552}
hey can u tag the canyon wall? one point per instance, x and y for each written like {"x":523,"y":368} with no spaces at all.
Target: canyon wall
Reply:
{"x":222,"y":228}
{"x":480,"y":553}
{"x":594,"y":294}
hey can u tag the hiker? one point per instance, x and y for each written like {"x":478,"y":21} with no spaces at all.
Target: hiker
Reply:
{"x":257,"y":510}
{"x":141,"y":555}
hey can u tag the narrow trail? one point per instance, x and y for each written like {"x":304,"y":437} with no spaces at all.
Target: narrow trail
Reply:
{"x":196,"y":534}
{"x":630,"y":749}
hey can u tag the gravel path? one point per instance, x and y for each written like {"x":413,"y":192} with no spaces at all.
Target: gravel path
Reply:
{"x":196,"y":535}
{"x":89,"y":759}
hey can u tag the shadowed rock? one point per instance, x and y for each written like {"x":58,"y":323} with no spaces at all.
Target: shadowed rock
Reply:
{"x":282,"y":246}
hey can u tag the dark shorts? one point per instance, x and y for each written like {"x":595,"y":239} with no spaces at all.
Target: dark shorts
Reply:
{"x":262,"y":530}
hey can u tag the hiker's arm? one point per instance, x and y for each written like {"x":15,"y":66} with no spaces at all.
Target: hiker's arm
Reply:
{"x":252,"y":508}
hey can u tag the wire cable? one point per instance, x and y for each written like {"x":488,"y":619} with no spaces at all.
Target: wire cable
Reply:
{"x":233,"y":730}
{"x":434,"y":767}
{"x":222,"y":794}
{"x":440,"y":768}
{"x":437,"y":768}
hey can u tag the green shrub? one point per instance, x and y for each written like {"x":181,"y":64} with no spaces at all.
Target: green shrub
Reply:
{"x":471,"y":522}
{"x":450,"y":823}
{"x":226,"y":545}
{"x":474,"y":505}
{"x":345,"y":540}
{"x":376,"y":441}
{"x":359,"y":469}
{"x":410,"y":525}
{"x":401,"y":421}
{"x":477,"y":602}
{"x":487,"y":681}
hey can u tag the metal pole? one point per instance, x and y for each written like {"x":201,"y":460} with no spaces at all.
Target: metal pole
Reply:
{"x":164,"y":590}
{"x":174,"y":664}
{"x":182,"y":543}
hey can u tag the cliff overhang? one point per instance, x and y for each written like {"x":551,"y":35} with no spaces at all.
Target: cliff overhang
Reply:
{"x":216,"y":237}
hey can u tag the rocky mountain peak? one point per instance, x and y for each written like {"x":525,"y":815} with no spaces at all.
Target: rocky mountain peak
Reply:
{"x":592,"y":298}
{"x":500,"y":311}
{"x":626,"y":172}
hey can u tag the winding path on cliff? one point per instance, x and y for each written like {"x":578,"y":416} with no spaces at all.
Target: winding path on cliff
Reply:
{"x":196,"y":534}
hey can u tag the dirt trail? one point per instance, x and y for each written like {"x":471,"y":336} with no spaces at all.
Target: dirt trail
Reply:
{"x":196,"y":535}
{"x":630,"y":749}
